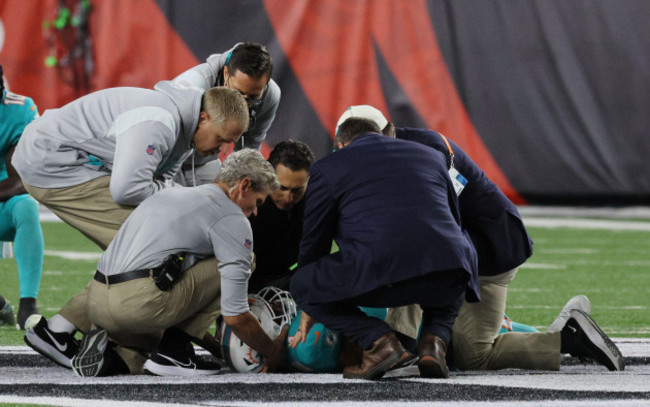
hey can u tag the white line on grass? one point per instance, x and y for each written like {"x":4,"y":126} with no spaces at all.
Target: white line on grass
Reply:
{"x":570,"y":251}
{"x":586,"y":224}
{"x":74,"y":255}
{"x":543,"y":266}
{"x":615,"y":307}
{"x":65,"y":401}
{"x":74,"y":402}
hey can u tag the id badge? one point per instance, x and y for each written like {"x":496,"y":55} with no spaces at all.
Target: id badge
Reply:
{"x":458,"y":180}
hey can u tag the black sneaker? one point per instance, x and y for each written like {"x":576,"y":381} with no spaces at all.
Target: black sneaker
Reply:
{"x":591,"y":342}
{"x":7,"y":316}
{"x":179,"y":363}
{"x":59,"y":347}
{"x":26,"y":308}
{"x":89,"y":360}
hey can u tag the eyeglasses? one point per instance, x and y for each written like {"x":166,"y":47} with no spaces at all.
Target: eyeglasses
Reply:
{"x":251,"y":102}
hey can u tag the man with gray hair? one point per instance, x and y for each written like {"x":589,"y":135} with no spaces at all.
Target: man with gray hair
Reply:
{"x":180,"y":259}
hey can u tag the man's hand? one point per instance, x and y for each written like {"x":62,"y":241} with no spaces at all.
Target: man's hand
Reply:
{"x":278,"y":358}
{"x":306,"y":322}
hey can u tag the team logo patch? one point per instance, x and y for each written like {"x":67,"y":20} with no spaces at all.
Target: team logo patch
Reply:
{"x":248,"y":244}
{"x":150,"y":149}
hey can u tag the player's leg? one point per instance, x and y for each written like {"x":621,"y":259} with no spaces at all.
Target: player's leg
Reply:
{"x":28,"y":251}
{"x":7,"y":232}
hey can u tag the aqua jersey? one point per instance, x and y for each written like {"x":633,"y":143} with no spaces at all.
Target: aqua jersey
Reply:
{"x":322,"y":347}
{"x":16,"y":112}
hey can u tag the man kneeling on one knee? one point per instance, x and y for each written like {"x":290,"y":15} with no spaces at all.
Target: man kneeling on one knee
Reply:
{"x":386,"y":203}
{"x":182,"y":255}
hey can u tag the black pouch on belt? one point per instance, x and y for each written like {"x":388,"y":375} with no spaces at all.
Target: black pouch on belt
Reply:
{"x":169,"y":272}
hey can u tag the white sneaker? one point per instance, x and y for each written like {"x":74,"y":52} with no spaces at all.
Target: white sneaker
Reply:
{"x":579,"y":302}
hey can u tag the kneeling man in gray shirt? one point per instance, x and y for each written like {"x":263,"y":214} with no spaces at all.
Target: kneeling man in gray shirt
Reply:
{"x":180,"y":259}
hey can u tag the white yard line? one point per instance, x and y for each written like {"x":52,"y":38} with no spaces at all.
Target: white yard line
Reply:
{"x":586,"y":224}
{"x":542,"y":266}
{"x":51,"y":401}
{"x":70,"y":402}
{"x":70,"y":255}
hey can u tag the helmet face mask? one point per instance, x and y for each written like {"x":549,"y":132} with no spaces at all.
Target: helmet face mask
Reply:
{"x":281,"y":303}
{"x":273,"y":308}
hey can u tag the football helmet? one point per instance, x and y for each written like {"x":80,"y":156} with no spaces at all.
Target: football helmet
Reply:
{"x":273,"y":308}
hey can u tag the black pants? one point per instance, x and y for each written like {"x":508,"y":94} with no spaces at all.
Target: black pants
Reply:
{"x":440,"y":295}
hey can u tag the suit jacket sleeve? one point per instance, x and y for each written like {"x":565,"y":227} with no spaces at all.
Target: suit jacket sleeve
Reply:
{"x":321,"y":217}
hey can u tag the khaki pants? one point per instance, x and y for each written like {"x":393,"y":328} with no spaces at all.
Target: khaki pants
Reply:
{"x":136,"y":313}
{"x":87,"y":207}
{"x":475,"y":339}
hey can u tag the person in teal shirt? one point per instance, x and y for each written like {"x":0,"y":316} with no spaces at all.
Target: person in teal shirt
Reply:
{"x":19,"y":220}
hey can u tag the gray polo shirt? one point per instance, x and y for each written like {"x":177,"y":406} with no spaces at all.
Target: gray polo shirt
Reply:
{"x":201,"y":222}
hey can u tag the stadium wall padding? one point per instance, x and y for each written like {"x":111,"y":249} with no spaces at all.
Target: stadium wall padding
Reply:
{"x":549,"y":97}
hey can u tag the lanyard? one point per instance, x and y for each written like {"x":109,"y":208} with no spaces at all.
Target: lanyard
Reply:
{"x":451,"y":152}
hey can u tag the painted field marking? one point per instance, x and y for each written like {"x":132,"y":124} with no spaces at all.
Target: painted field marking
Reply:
{"x":70,"y":402}
{"x":543,"y":266}
{"x":615,"y":307}
{"x":569,"y":251}
{"x":586,"y":224}
{"x":74,"y":255}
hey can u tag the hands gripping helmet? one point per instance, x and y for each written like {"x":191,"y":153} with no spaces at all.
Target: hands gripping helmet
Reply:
{"x":274,"y":308}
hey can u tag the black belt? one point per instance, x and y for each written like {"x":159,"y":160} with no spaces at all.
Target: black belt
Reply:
{"x":128,"y":276}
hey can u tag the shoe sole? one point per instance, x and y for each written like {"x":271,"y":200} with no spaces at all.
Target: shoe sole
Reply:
{"x":600,"y":341}
{"x":89,"y":359}
{"x":407,"y":359}
{"x":47,"y":350}
{"x":382,"y":367}
{"x":579,"y":302}
{"x":431,"y":368}
{"x":156,"y":369}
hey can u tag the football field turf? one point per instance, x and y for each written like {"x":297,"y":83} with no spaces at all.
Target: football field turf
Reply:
{"x":609,"y":264}
{"x":611,"y":267}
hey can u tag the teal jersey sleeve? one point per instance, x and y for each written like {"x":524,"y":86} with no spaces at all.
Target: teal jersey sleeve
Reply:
{"x":16,"y":112}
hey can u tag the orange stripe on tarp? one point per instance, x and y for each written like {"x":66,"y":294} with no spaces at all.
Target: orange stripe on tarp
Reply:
{"x":329,"y":46}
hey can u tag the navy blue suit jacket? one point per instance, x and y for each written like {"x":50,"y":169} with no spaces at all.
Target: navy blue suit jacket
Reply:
{"x":391,"y":208}
{"x":490,"y":218}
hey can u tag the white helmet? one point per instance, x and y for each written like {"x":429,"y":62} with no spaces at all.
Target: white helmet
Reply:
{"x":274,"y":308}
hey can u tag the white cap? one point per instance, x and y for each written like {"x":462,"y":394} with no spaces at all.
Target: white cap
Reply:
{"x":363,"y":112}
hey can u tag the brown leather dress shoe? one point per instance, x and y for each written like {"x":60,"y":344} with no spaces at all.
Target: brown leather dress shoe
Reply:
{"x":385,"y":354}
{"x":432,"y":351}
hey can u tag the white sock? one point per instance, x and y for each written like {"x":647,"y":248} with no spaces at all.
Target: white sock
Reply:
{"x":59,"y":324}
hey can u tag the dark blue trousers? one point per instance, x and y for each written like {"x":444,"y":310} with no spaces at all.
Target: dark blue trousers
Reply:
{"x":439,"y":294}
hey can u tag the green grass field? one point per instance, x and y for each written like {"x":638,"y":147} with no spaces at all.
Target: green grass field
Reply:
{"x":610,"y":267}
